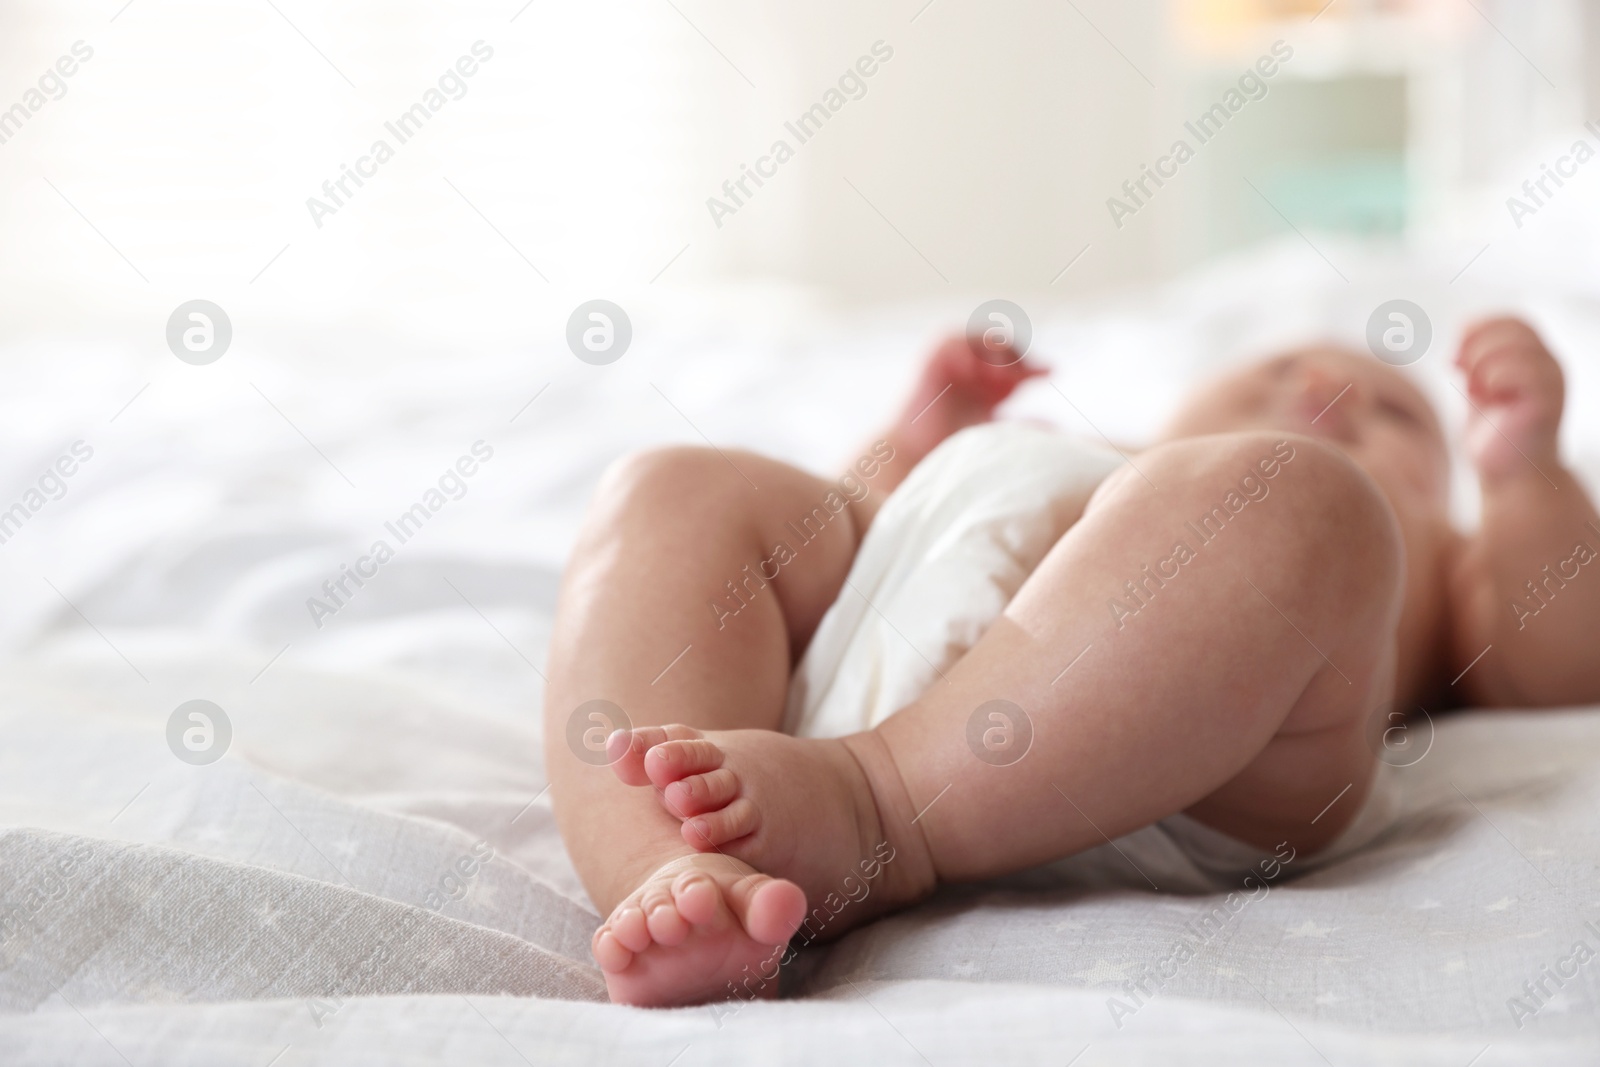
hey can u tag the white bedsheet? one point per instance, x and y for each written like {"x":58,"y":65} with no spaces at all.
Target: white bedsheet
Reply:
{"x":225,"y":913}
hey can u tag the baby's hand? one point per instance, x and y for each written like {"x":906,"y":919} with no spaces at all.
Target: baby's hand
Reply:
{"x":984,"y":374}
{"x":1516,"y":389}
{"x":961,"y":384}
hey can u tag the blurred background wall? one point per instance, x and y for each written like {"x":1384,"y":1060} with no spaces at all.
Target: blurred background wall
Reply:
{"x":580,"y":157}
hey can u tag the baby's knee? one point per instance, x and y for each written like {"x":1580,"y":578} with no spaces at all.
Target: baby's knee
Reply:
{"x":672,"y":476}
{"x":1297,"y":505}
{"x":1344,"y":528}
{"x":1343,"y":541}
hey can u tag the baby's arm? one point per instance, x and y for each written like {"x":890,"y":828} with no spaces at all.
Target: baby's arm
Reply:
{"x":1528,"y":583}
{"x":961,"y":384}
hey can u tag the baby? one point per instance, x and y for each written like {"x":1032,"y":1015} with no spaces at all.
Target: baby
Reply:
{"x":1244,"y":702}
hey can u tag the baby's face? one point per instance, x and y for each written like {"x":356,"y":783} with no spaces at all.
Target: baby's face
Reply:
{"x":1362,"y":406}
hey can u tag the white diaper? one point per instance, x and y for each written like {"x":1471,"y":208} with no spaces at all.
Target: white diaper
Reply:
{"x":945,"y":554}
{"x":1226,"y":860}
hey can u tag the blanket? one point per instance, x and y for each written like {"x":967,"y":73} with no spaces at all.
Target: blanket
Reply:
{"x":368,"y":870}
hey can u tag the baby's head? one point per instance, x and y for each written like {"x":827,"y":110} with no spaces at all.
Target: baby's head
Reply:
{"x":1360,"y":405}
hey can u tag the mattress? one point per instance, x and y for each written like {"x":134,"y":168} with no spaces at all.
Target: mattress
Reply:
{"x":368,"y":872}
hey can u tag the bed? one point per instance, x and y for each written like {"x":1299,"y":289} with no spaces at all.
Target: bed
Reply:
{"x":369,"y":871}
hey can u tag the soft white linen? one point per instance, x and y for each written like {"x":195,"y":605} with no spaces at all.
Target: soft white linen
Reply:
{"x":373,"y":753}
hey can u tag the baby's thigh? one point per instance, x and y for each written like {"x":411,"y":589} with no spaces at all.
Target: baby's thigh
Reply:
{"x":1205,"y":639}
{"x":1312,"y":559}
{"x":1310,"y":779}
{"x":1301,"y":788}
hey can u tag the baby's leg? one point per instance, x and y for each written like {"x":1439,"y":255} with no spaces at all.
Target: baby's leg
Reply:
{"x":1238,"y":692}
{"x":636,"y":626}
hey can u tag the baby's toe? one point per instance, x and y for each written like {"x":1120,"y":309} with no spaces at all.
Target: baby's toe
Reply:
{"x":628,"y":926}
{"x":667,"y":927}
{"x":716,"y":828}
{"x":626,"y":749}
{"x":698,"y":899}
{"x":612,"y":955}
{"x":769,"y":909}
{"x":700,"y":793}
{"x":668,"y":762}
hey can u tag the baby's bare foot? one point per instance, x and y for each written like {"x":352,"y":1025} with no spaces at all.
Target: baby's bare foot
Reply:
{"x":828,"y":815}
{"x":701,"y":927}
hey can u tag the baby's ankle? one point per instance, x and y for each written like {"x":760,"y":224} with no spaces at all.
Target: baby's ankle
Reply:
{"x":610,"y":887}
{"x":908,"y":870}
